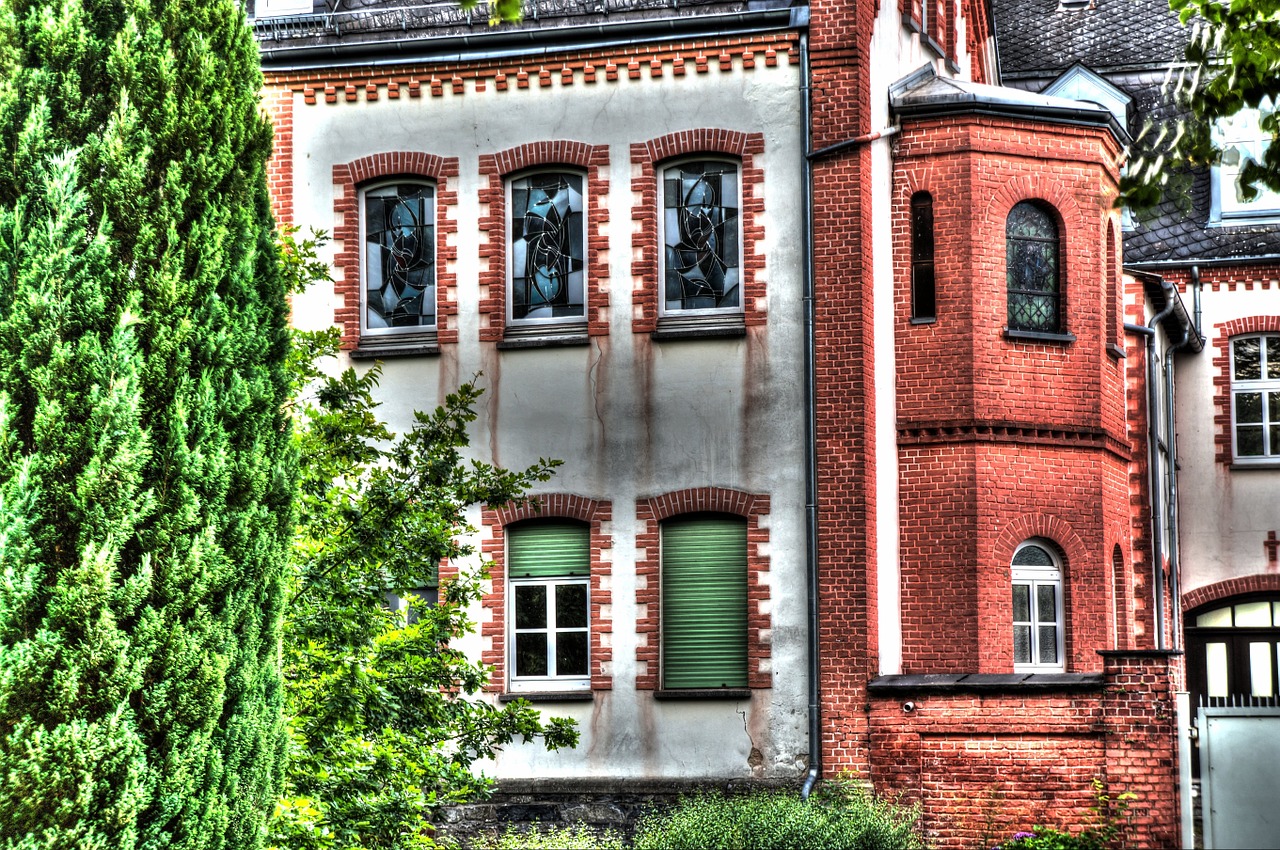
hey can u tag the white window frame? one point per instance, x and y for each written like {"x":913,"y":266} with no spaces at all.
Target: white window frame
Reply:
{"x":1241,"y":133}
{"x":550,"y":325}
{"x":552,"y":681}
{"x":1263,"y":385}
{"x":276,"y":8}
{"x":702,"y":314}
{"x":416,"y":332}
{"x":1034,"y":577}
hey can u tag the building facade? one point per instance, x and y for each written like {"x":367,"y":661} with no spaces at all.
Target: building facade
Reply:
{"x":829,"y":331}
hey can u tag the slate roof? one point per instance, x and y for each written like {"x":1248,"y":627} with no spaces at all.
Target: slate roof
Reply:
{"x":1035,"y":35}
{"x":1131,"y":43}
{"x":351,"y":31}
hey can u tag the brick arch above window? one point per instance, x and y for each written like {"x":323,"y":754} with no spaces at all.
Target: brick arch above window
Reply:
{"x":1223,"y":333}
{"x":495,"y":168}
{"x":1230,"y":588}
{"x":549,"y":506}
{"x":347,"y":180}
{"x":1044,"y":527}
{"x":646,"y":160}
{"x":649,"y":516}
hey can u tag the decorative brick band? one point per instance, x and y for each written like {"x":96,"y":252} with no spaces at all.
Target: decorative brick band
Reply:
{"x":1222,"y":375}
{"x":1007,"y":432}
{"x":569,"y":69}
{"x":594,"y":160}
{"x":650,"y":513}
{"x":595,"y":513}
{"x":347,"y":179}
{"x":1229,"y":588}
{"x":646,"y":157}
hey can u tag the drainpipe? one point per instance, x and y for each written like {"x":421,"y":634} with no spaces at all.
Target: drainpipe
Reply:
{"x":1153,"y":459}
{"x":810,"y":427}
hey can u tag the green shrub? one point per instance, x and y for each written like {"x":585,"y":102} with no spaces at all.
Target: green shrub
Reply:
{"x":577,"y":836}
{"x":841,"y":817}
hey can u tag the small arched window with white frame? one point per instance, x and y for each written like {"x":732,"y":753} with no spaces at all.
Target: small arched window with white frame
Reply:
{"x":1037,"y":609}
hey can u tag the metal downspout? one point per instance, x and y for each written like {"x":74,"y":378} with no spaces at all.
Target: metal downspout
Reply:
{"x":1153,"y":460}
{"x":1170,"y":390}
{"x":810,"y":429}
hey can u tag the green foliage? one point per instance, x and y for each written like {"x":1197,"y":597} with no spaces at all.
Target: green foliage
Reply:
{"x":842,"y":816}
{"x":572,"y":837}
{"x":1108,"y":827}
{"x":384,"y":720}
{"x":146,"y":466}
{"x":1232,"y":61}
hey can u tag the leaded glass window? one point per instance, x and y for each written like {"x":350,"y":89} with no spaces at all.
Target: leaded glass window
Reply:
{"x":399,"y":258}
{"x":1032,"y":245}
{"x":1255,"y":397}
{"x":700,"y":232}
{"x":548,"y":247}
{"x":1037,"y":609}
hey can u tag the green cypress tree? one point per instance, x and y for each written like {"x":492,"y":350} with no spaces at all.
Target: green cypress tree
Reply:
{"x":146,"y":468}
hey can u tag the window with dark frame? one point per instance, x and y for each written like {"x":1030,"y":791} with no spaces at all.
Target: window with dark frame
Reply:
{"x":399,"y":286}
{"x":1255,"y":398}
{"x":548,"y":570}
{"x":1033,"y":257}
{"x":923,"y":294}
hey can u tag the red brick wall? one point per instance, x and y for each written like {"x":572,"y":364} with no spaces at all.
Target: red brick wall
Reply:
{"x":594,"y":160}
{"x":649,"y":516}
{"x":347,"y":180}
{"x":646,"y":160}
{"x":986,"y":765}
{"x":839,"y":39}
{"x":278,"y":104}
{"x":494,"y":633}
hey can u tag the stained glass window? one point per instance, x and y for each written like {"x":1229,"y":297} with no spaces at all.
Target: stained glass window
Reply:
{"x":702,"y":257}
{"x":399,"y":258}
{"x":1255,"y":397}
{"x":547,"y":247}
{"x":1031,"y":240}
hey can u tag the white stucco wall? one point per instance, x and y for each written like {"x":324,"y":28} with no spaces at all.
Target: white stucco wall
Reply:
{"x":631,"y":417}
{"x":1226,"y":511}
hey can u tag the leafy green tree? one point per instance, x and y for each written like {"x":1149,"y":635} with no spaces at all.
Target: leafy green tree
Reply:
{"x":1233,"y":62}
{"x":147,"y":469}
{"x":385,"y":721}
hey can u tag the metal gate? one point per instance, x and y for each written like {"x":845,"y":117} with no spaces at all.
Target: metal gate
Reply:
{"x":1240,"y":775}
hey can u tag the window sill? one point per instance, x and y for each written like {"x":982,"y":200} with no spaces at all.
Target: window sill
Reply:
{"x":1241,"y":466}
{"x":385,"y":350}
{"x":704,"y":693}
{"x":699,"y":327}
{"x":1004,"y":683}
{"x":925,"y":320}
{"x":1115,"y":351}
{"x":1039,"y":336}
{"x":548,"y":696}
{"x":556,"y":341}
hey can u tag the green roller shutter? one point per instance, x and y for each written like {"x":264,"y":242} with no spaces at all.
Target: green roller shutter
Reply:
{"x":704,"y":603}
{"x":548,"y":550}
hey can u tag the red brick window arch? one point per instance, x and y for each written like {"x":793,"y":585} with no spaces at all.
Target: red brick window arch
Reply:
{"x":554,"y":549}
{"x":394,"y":266}
{"x":544,"y":243}
{"x":698,"y":549}
{"x":1247,"y":391}
{"x":698,"y":213}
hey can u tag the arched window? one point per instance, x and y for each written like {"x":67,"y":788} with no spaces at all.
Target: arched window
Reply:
{"x":1033,"y":269}
{"x":923,"y":298}
{"x":1037,"y":609}
{"x":399,"y":237}
{"x":1233,"y":650}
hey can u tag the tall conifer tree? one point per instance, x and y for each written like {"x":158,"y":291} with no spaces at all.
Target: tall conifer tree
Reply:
{"x":146,"y":474}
